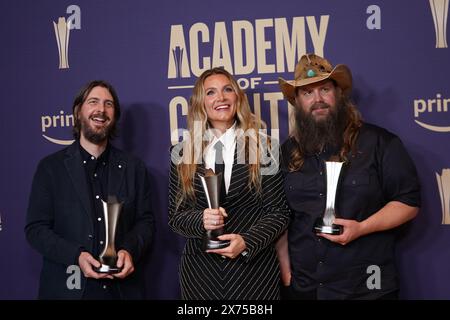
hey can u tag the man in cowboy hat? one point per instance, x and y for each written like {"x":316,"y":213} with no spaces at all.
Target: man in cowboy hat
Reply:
{"x":378,"y":191}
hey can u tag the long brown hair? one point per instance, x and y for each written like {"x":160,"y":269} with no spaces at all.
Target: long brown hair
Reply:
{"x":245,"y":120}
{"x":350,"y":133}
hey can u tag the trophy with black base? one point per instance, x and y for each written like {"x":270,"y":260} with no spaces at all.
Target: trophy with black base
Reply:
{"x":211,"y":183}
{"x":108,"y":257}
{"x":325,"y":223}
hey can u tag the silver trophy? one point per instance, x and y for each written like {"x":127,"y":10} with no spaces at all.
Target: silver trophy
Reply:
{"x":325,"y":223}
{"x":108,"y":257}
{"x":211,"y":183}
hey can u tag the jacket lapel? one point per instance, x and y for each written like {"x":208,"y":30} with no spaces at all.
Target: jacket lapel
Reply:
{"x":239,"y":178}
{"x":198,"y":187}
{"x":74,"y":166}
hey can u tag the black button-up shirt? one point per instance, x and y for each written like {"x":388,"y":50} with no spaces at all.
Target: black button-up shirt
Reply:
{"x":381,"y":171}
{"x":96,"y":170}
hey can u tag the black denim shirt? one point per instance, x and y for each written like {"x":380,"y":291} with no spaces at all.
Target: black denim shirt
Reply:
{"x":381,"y":171}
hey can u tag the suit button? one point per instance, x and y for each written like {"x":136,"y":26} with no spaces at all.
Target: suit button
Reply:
{"x":90,"y":236}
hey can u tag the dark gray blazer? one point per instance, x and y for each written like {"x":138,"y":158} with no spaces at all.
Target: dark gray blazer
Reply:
{"x":59,"y":219}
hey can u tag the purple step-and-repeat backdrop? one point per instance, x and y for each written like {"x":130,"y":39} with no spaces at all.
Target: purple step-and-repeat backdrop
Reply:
{"x":153,"y":51}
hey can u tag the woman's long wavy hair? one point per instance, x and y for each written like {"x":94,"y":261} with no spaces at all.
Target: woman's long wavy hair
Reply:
{"x":245,"y":120}
{"x":350,"y":134}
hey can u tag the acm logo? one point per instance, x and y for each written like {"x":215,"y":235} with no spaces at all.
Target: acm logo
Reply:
{"x":62,"y":33}
{"x":439,"y":10}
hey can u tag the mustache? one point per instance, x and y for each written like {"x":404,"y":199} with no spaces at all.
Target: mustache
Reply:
{"x":320,"y":105}
{"x":100,"y":115}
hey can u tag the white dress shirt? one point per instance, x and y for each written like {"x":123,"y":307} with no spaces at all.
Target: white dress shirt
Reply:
{"x":228,"y":140}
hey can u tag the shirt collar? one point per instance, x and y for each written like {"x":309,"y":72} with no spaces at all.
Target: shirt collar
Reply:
{"x":87,"y":156}
{"x":228,"y":138}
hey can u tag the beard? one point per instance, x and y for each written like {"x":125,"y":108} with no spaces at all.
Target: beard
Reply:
{"x":313,"y":134}
{"x":93,"y":134}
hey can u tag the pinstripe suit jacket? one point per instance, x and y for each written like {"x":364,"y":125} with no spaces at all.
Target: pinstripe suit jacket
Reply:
{"x":258,"y":218}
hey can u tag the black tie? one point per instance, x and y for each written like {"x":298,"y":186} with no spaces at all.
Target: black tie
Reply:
{"x":220,"y":168}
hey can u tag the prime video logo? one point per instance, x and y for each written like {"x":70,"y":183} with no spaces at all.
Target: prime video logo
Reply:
{"x":60,"y":120}
{"x":431,"y":106}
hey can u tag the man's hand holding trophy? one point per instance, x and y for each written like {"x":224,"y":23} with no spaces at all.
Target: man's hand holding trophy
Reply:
{"x":110,"y":263}
{"x":325,"y":224}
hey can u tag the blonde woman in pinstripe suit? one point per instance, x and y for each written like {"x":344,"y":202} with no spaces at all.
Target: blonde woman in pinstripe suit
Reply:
{"x":254,"y":211}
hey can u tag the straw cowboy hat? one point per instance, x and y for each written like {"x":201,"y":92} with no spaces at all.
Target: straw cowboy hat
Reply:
{"x":311,"y":69}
